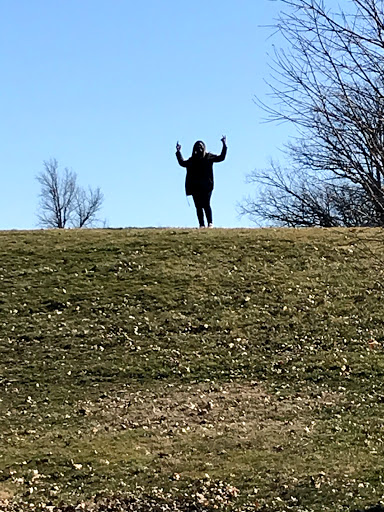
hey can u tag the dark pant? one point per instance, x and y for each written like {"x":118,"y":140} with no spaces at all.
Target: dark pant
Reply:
{"x":202,"y":203}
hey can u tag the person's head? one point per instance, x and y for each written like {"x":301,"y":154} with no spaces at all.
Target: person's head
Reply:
{"x":199,"y":149}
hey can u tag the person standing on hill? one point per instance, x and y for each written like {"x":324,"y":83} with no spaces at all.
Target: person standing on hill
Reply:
{"x":199,"y":178}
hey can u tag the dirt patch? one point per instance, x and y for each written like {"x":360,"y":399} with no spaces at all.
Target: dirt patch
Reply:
{"x":6,"y":495}
{"x":195,"y":408}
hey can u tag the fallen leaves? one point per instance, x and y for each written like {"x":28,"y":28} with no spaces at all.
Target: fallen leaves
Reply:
{"x":231,"y":344}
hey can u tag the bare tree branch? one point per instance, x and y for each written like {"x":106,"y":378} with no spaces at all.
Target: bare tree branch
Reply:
{"x":295,"y":199}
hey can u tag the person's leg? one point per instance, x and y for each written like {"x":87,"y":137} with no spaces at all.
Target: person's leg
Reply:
{"x":207,"y":207}
{"x":197,"y":199}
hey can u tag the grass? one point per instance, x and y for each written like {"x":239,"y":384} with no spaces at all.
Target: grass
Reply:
{"x":220,"y":369}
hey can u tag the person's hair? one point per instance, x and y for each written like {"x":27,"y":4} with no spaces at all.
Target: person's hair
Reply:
{"x":198,"y":142}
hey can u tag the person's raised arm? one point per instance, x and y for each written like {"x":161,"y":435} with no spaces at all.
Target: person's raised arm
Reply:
{"x":221,"y":157}
{"x":179,"y":156}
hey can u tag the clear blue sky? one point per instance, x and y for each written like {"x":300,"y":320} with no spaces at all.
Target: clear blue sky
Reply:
{"x":107,"y":87}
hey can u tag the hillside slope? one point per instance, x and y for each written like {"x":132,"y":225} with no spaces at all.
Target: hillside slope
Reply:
{"x":199,"y":368}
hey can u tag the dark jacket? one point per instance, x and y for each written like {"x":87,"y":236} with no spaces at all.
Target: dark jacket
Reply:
{"x":199,"y":176}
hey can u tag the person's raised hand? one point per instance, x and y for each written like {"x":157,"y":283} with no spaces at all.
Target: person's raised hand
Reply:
{"x":224,"y":140}
{"x":178,"y":146}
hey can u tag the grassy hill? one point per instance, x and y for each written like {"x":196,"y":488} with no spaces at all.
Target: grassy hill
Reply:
{"x":147,"y":369}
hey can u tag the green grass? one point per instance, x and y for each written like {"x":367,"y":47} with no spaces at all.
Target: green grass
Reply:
{"x":207,"y":369}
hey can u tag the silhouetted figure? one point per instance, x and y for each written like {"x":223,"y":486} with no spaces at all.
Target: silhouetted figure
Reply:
{"x":199,"y":179}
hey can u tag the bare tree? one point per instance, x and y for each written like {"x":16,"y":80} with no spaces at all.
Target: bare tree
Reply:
{"x":330,"y":85}
{"x":57,"y":195}
{"x":62,"y":202}
{"x":87,"y":204}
